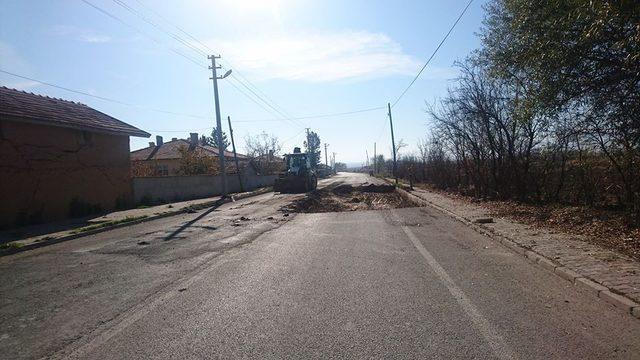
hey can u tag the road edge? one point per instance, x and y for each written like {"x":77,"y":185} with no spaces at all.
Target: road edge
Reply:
{"x":601,"y":291}
{"x":52,"y":241}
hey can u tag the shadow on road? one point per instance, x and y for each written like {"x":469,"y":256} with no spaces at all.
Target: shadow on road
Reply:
{"x":189,"y":223}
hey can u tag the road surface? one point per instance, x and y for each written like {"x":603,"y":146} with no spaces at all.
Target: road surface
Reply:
{"x":246,"y":281}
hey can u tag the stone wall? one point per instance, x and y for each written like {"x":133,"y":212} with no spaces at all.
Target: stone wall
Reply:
{"x":175,"y":188}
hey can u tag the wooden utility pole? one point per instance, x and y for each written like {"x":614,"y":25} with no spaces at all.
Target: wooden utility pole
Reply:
{"x":235,"y":155}
{"x":393,"y":145}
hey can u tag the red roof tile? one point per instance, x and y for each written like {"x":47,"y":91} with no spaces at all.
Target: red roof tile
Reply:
{"x":170,"y":150}
{"x":23,"y":106}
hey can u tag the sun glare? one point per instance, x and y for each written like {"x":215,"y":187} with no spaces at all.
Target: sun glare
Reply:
{"x":257,"y":5}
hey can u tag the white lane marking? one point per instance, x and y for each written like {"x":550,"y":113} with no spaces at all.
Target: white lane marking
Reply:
{"x":497,"y":343}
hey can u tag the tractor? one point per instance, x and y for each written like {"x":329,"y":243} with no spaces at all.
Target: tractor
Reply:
{"x":299,"y":175}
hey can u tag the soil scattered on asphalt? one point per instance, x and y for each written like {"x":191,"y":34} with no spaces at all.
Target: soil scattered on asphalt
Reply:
{"x":350,"y":198}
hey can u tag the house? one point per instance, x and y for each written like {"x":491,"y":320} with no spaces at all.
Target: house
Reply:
{"x":186,"y":169}
{"x":168,"y":158}
{"x":60,"y":159}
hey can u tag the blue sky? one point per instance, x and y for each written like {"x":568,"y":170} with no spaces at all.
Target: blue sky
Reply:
{"x":309,"y":57}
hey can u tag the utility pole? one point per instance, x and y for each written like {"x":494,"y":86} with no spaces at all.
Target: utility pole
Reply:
{"x":334,"y":163}
{"x":215,"y":78}
{"x":235,"y":155}
{"x":375,"y":159}
{"x":367,"y":152}
{"x":393,"y":144}
{"x":326,"y":162}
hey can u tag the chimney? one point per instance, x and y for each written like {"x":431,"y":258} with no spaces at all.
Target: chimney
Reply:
{"x":194,"y":139}
{"x":174,"y":139}
{"x":159,"y":140}
{"x":152,"y":144}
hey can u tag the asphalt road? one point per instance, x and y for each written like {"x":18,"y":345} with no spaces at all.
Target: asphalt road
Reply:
{"x":403,"y":283}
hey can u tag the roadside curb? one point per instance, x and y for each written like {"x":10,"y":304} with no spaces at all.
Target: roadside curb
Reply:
{"x":214,"y":203}
{"x":601,"y":291}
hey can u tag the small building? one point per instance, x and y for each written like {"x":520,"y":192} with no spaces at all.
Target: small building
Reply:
{"x":167,"y":158}
{"x":60,"y":159}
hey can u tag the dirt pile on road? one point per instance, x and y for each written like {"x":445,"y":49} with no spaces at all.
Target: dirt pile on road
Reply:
{"x":350,"y":198}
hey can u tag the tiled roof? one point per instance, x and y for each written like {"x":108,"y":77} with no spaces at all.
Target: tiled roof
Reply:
{"x":23,"y":106}
{"x":171,"y":150}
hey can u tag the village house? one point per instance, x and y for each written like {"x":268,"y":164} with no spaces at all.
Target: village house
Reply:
{"x":183,"y":169}
{"x":60,"y":159}
{"x":168,"y":158}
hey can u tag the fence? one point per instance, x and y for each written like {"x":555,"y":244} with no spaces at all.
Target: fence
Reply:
{"x":177,"y":188}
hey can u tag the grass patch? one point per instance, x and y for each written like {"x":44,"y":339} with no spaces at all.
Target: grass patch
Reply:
{"x":108,"y":224}
{"x":10,"y":245}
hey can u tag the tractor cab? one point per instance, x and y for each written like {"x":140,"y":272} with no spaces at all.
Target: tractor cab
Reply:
{"x":297,"y":162}
{"x":299,"y":175}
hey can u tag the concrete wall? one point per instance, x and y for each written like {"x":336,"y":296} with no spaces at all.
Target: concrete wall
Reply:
{"x":44,"y":168}
{"x":173,"y":188}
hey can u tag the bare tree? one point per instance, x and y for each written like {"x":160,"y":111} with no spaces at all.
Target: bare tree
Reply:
{"x":264,"y":150}
{"x":262,"y":144}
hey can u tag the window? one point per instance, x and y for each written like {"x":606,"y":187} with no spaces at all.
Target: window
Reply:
{"x":161,"y":170}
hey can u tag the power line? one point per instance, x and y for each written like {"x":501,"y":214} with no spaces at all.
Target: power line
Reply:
{"x":257,"y":88}
{"x":114,"y":17}
{"x":180,"y":131}
{"x":103,"y":98}
{"x":65,"y":88}
{"x":269,"y":102}
{"x":242,"y":80}
{"x":433,"y":54}
{"x":252,"y":99}
{"x":293,"y":137}
{"x":120,"y":102}
{"x":319,"y":116}
{"x":174,"y":25}
{"x":152,"y":23}
{"x":175,"y":37}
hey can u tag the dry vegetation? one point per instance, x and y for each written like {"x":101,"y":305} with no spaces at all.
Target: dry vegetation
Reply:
{"x":606,"y":227}
{"x":543,"y":119}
